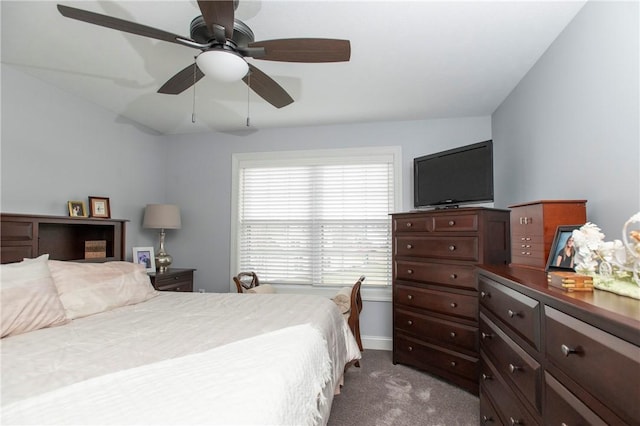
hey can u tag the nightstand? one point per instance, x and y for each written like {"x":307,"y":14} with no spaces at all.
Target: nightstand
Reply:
{"x":174,"y":279}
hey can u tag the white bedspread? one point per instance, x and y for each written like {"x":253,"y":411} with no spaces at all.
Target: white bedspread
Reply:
{"x":208,"y":340}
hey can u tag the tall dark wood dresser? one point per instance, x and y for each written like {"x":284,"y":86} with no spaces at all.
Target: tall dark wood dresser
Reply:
{"x":435,"y":298}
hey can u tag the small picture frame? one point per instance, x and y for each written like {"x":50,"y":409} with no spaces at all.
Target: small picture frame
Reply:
{"x":77,"y":209}
{"x":145,"y":256}
{"x":99,"y":207}
{"x":562,"y":253}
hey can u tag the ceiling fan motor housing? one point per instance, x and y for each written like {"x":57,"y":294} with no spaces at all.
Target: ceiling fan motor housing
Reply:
{"x":242,"y":34}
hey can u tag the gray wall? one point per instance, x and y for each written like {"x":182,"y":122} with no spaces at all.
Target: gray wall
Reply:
{"x":570,"y":129}
{"x":57,"y":147}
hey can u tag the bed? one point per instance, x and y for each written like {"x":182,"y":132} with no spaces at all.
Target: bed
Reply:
{"x":115,"y":351}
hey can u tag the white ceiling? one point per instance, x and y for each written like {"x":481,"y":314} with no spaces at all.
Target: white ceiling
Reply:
{"x":410,"y":60}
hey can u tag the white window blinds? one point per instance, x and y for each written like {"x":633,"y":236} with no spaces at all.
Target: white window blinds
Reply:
{"x":318,"y":223}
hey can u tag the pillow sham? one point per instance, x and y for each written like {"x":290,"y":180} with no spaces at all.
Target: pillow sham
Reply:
{"x":90,"y":288}
{"x":28,"y":297}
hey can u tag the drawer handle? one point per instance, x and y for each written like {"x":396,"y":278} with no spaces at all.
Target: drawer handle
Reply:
{"x":514,"y":421}
{"x":514,"y":368}
{"x":453,"y":304}
{"x":452,"y":222}
{"x":409,"y":224}
{"x":512,"y":313}
{"x":410,"y":296}
{"x":452,"y":247}
{"x":409,"y":271}
{"x":452,"y":334}
{"x":484,"y":294}
{"x":453,"y":276}
{"x":453,"y":363}
{"x":409,"y":246}
{"x":486,"y":335}
{"x":487,"y":419}
{"x":410,"y":348}
{"x":486,"y":376}
{"x":175,"y":278}
{"x":409,"y":322}
{"x":566,"y":350}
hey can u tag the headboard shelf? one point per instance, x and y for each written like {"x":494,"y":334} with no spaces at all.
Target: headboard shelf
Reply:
{"x":63,"y":238}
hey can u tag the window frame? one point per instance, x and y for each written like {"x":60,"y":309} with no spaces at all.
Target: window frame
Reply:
{"x":392,"y":154}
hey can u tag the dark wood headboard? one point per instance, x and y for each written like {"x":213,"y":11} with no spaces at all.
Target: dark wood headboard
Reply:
{"x":63,"y":238}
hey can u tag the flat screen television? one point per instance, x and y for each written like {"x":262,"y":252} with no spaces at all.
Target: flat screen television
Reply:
{"x":462,"y":175}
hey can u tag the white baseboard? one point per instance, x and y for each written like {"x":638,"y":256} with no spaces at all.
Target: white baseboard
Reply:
{"x":377,"y":343}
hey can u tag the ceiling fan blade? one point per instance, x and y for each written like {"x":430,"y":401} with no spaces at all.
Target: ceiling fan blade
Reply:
{"x":304,"y":50}
{"x":267,"y":88}
{"x":120,"y":24}
{"x":182,"y":80}
{"x":218,"y":13}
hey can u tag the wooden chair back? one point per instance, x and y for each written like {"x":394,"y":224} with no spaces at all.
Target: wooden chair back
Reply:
{"x":246,"y":280}
{"x":356,"y":308}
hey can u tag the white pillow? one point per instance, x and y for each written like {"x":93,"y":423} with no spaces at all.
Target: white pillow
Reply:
{"x":90,"y":288}
{"x":28,"y":297}
{"x":262,"y":289}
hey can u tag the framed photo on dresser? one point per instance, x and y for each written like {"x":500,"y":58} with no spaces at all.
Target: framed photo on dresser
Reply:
{"x":562,"y":253}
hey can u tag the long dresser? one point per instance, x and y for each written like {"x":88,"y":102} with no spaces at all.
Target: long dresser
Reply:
{"x":435,"y":298}
{"x":550,"y":357}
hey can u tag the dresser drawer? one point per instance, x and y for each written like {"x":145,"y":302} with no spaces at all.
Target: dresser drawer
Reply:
{"x":454,"y":304}
{"x":604,"y":365}
{"x":488,"y":413}
{"x":424,"y":355}
{"x":519,"y":312}
{"x":453,"y":248}
{"x":447,"y":333}
{"x":563,"y":408}
{"x":455,"y":223}
{"x":512,"y":361}
{"x":412,"y":224}
{"x":448,"y":274}
{"x":511,"y":410}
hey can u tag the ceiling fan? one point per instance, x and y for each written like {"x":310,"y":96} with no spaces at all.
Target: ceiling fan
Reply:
{"x":225,"y":42}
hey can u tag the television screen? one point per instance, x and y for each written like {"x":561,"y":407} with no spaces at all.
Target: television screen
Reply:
{"x":457,"y":176}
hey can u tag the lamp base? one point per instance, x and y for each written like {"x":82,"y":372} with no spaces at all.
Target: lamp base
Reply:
{"x":163,"y":260}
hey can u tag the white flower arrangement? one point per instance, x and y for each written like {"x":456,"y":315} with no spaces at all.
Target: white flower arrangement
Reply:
{"x":608,"y":260}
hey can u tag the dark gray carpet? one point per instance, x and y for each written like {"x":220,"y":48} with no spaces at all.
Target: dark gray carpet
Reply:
{"x":382,"y":394}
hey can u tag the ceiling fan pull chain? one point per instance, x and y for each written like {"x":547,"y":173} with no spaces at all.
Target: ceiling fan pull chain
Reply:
{"x":248,"y":95}
{"x":193,"y":108}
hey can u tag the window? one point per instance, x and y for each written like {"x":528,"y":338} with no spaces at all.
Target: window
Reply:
{"x":316,"y":218}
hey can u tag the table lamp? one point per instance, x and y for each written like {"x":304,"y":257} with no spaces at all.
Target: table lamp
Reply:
{"x":162,"y":216}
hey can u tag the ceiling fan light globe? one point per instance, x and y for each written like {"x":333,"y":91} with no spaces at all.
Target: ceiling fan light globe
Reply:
{"x":222,"y":65}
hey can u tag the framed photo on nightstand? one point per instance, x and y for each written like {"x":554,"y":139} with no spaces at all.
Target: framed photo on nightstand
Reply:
{"x":145,"y":256}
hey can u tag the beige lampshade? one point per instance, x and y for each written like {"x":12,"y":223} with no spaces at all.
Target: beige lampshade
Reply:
{"x":162,"y":216}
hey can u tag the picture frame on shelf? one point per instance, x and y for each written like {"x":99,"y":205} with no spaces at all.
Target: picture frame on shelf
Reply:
{"x":99,"y":207}
{"x":77,"y":208}
{"x":562,"y":253}
{"x":145,"y":256}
